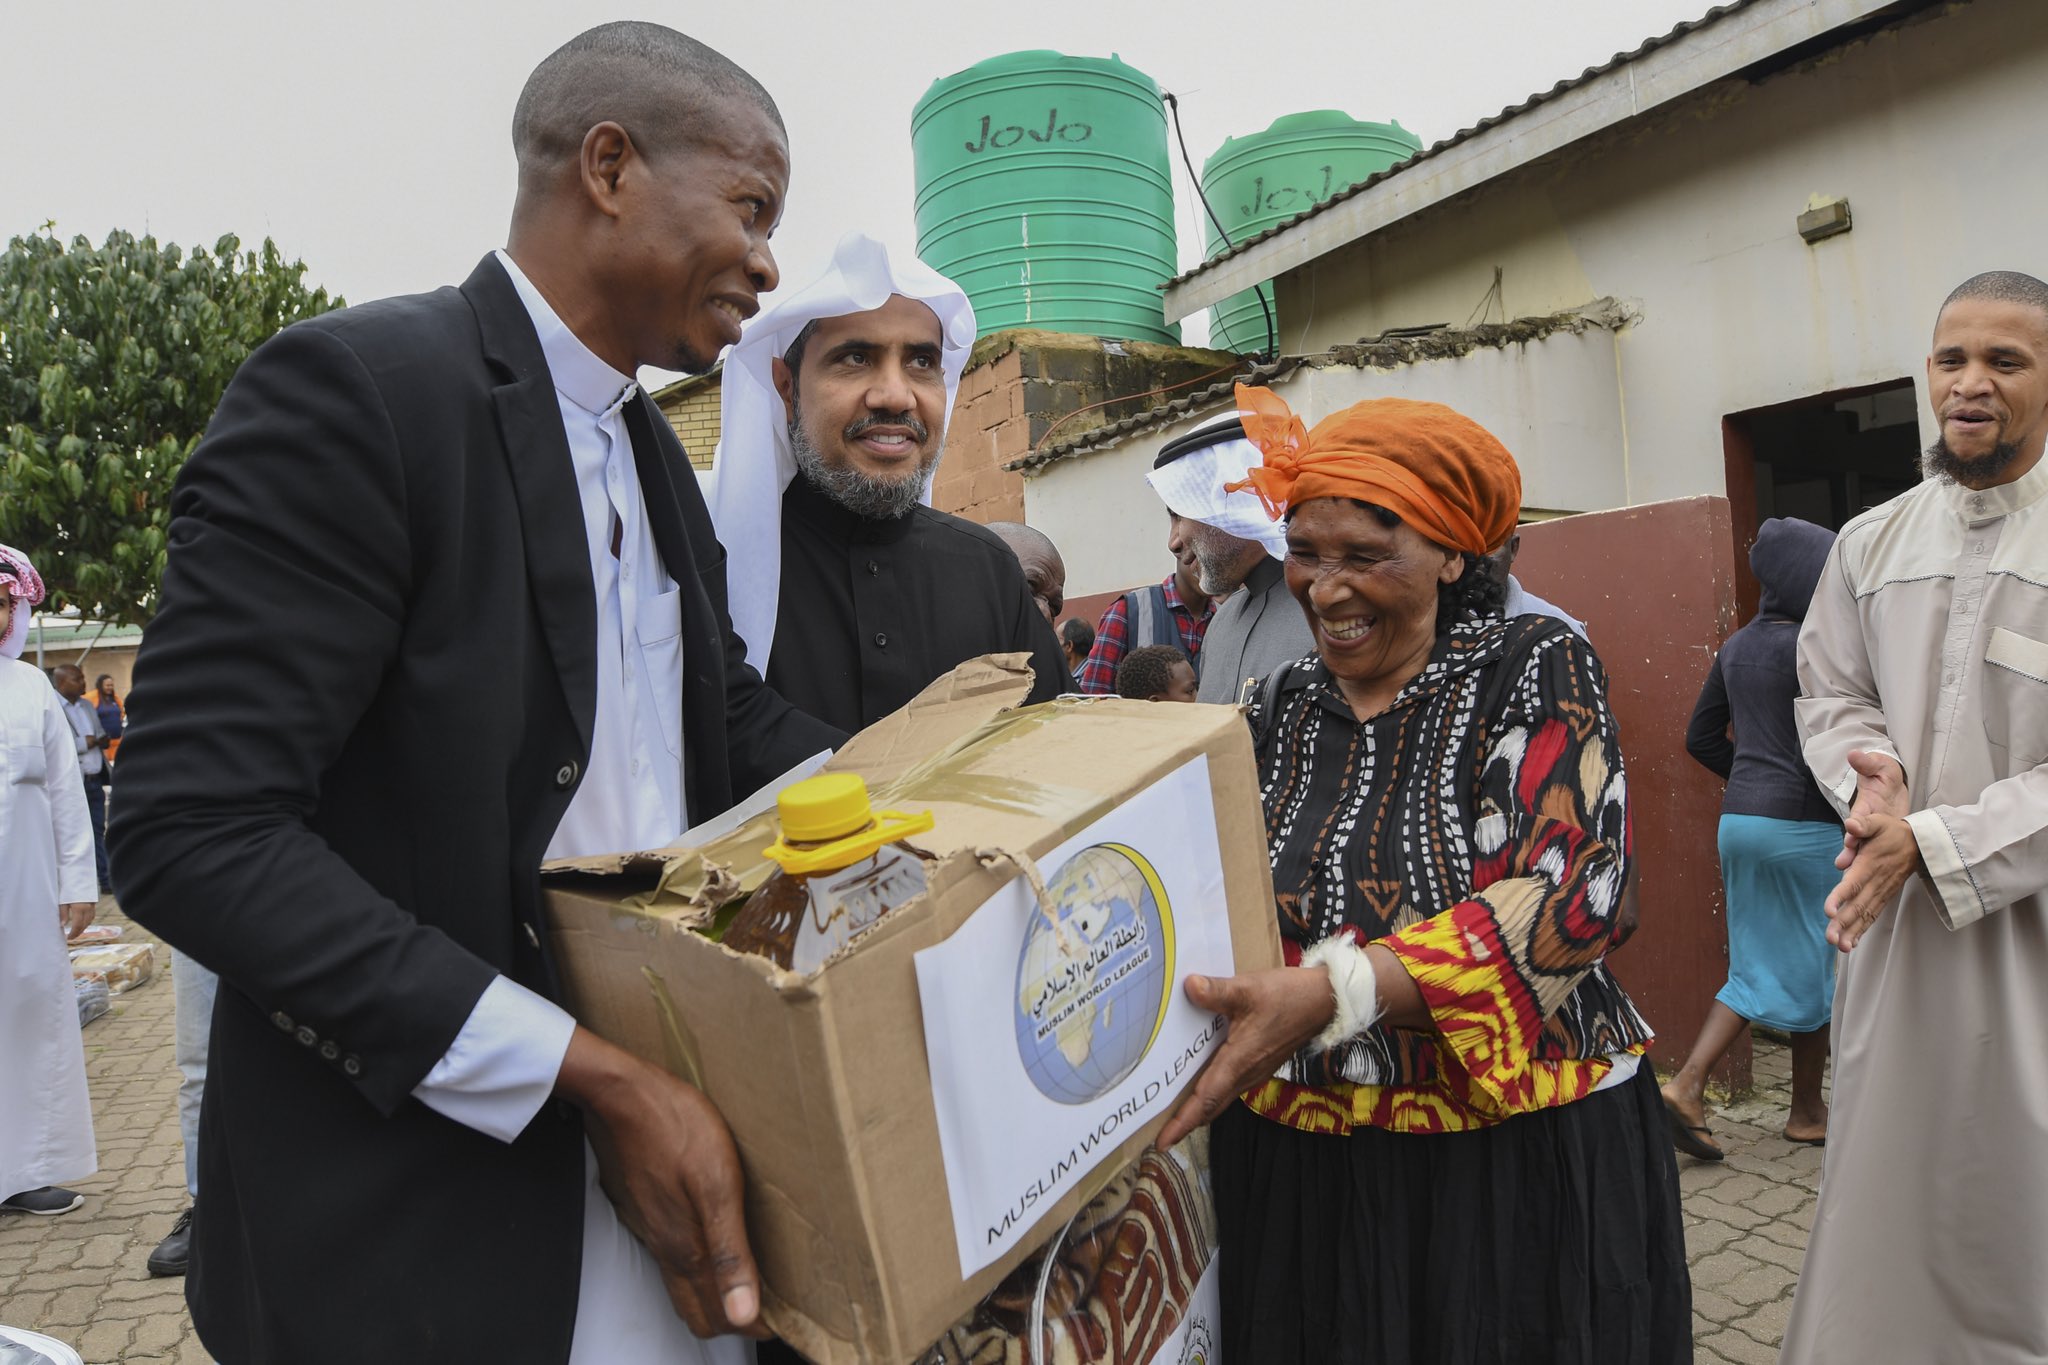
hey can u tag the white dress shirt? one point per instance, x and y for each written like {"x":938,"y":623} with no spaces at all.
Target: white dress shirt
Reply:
{"x":85,"y":727}
{"x":502,"y":1066}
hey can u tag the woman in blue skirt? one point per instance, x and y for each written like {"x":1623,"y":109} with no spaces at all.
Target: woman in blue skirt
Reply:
{"x":1779,"y":839}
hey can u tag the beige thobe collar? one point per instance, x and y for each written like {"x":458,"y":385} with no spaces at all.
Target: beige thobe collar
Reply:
{"x":1978,"y":505}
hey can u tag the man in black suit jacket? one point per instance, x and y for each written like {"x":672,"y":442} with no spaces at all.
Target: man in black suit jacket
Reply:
{"x":319,"y":804}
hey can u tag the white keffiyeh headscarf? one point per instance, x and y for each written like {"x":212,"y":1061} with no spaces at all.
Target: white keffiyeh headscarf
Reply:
{"x":20,"y":578}
{"x":755,"y":462}
{"x":1190,"y":472}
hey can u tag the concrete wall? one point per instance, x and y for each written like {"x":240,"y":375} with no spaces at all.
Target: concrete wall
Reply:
{"x":1555,"y":402}
{"x":1109,"y":525}
{"x":1930,"y":130}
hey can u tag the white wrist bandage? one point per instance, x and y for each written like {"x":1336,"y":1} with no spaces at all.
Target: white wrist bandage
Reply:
{"x":1351,"y":980}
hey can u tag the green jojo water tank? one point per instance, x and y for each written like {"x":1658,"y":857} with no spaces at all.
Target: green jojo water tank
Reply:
{"x":1255,"y":181}
{"x":1044,"y":191}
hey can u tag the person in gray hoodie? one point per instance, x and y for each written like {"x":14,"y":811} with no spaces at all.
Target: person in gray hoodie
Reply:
{"x":1779,"y":837}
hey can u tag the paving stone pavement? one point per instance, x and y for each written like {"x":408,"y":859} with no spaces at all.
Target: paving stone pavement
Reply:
{"x":80,"y":1278}
{"x":1746,"y":1219}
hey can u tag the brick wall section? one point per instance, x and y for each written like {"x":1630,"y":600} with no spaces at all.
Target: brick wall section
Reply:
{"x":693,"y":411}
{"x":988,"y":429}
{"x":1018,"y":384}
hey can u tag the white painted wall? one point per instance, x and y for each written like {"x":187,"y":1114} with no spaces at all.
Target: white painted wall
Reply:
{"x":1931,"y":131}
{"x":1097,"y":507}
{"x":1555,"y":403}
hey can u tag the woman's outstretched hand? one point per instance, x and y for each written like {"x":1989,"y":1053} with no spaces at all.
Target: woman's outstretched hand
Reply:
{"x":1270,"y":1016}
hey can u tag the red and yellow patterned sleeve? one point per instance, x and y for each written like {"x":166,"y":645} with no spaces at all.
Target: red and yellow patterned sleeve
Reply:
{"x":1550,"y":859}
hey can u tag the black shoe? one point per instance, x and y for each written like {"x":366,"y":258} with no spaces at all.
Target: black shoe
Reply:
{"x":174,"y":1252}
{"x":45,"y":1201}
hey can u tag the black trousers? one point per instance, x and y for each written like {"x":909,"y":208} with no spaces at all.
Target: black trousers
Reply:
{"x":96,"y":807}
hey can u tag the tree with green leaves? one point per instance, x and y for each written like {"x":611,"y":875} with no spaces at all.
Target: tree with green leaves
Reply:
{"x":112,"y":360}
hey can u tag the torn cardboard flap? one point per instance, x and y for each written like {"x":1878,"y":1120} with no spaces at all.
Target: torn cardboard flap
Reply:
{"x":952,"y":708}
{"x":693,"y":875}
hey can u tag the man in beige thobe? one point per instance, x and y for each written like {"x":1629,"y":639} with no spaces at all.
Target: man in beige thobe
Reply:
{"x":1924,"y":668}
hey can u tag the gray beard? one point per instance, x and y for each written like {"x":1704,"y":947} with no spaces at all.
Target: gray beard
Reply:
{"x":1940,"y":462}
{"x":863,"y":494}
{"x":1220,"y":575}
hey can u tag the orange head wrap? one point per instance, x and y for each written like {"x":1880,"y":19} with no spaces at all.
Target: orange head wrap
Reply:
{"x":1438,"y":470}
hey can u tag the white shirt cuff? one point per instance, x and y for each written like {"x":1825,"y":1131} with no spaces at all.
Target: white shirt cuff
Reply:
{"x":1956,"y":898}
{"x":501,"y":1068}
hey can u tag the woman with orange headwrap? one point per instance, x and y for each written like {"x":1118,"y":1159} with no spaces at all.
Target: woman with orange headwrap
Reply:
{"x":1447,"y":1149}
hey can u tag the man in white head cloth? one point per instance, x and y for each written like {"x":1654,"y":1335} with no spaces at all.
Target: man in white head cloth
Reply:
{"x":852,"y":594}
{"x":48,"y":891}
{"x":1239,"y":548}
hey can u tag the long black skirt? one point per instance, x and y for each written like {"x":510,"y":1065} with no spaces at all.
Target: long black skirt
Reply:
{"x":1551,"y":1239}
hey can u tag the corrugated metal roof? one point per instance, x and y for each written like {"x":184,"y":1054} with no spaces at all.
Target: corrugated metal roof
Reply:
{"x":1402,"y":346}
{"x":64,"y":632}
{"x":1466,"y":134}
{"x":1206,"y":397}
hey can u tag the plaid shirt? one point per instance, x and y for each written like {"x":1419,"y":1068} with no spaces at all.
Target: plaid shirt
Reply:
{"x":1112,"y":638}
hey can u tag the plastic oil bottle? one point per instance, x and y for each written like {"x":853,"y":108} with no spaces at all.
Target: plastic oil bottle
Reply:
{"x":842,"y":868}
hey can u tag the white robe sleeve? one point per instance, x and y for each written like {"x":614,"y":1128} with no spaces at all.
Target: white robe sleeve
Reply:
{"x":1838,"y":708}
{"x":1984,"y":856}
{"x":77,"y":879}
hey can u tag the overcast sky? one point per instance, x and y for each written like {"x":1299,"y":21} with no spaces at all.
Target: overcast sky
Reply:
{"x":369,"y":137}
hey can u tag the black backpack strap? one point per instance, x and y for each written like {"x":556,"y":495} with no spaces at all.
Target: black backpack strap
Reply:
{"x":1266,"y":702}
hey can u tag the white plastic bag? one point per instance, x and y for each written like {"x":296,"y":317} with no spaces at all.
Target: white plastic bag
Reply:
{"x":21,"y":1347}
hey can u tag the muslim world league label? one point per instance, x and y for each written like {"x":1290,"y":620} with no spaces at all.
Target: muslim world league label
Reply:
{"x":1094,"y":974}
{"x":1056,"y":1029}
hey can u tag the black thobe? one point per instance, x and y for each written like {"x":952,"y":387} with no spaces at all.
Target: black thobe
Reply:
{"x":871,"y":612}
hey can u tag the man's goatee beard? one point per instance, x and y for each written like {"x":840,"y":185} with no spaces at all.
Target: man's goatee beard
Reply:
{"x":1939,"y":462}
{"x":865,"y":495}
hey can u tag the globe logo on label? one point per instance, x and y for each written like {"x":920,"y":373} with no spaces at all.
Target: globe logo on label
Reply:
{"x":1094,"y":975}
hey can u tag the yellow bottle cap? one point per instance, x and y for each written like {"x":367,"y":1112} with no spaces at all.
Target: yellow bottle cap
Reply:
{"x":829,"y":814}
{"x":829,"y":806}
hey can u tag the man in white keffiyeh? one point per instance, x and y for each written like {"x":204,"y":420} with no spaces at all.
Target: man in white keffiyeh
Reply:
{"x":1257,"y":625}
{"x":851,"y":594}
{"x":47,"y":893}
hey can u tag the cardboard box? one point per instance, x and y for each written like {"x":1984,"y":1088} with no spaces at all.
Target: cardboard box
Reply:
{"x":825,"y":1080}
